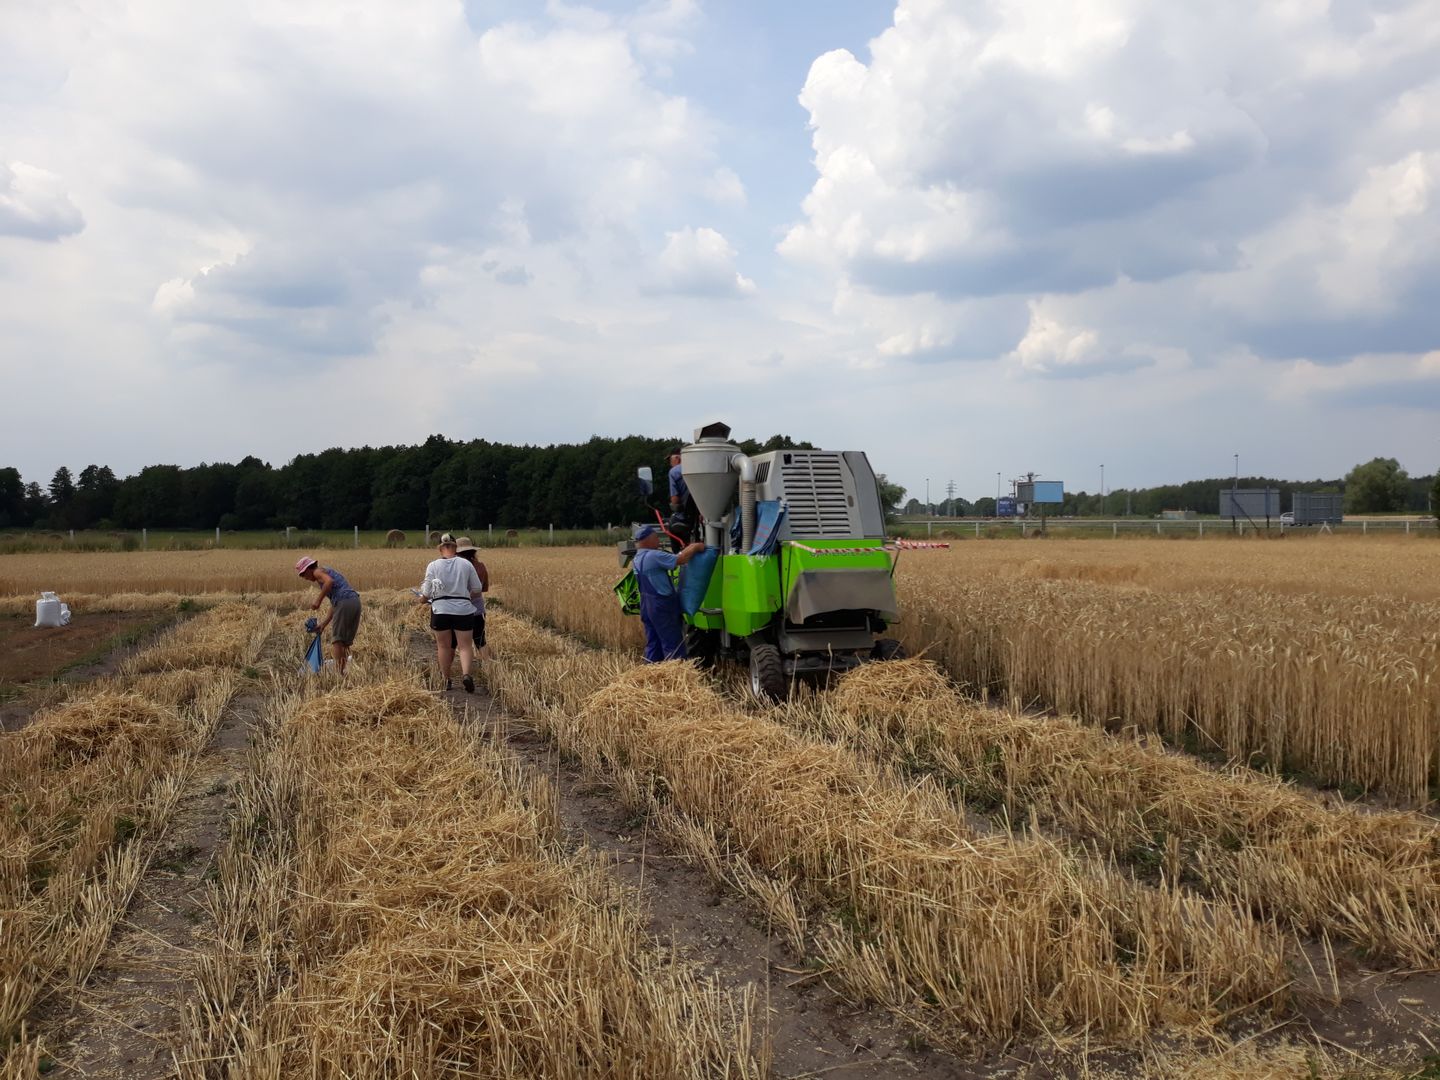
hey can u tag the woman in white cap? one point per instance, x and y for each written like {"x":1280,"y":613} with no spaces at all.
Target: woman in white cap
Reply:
{"x":344,"y":607}
{"x":448,"y":586}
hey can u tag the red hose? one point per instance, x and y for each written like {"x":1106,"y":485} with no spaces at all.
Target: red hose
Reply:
{"x":661,"y":521}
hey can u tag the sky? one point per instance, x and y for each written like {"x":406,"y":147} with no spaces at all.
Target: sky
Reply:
{"x":969,"y":237}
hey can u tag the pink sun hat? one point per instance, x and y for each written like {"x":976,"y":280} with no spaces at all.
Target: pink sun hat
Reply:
{"x":304,"y":564}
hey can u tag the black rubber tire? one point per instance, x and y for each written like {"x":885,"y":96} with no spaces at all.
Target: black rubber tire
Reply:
{"x":767,"y":674}
{"x":887,"y":648}
{"x":702,"y":646}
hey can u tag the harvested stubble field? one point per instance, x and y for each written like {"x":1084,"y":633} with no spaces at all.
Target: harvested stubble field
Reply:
{"x":975,"y":934}
{"x":428,"y":923}
{"x":396,"y":896}
{"x":88,"y":786}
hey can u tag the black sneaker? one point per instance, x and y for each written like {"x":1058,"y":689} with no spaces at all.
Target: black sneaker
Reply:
{"x":469,"y":684}
{"x":448,"y":685}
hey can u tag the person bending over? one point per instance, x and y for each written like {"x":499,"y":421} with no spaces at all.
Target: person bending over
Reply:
{"x":344,"y":607}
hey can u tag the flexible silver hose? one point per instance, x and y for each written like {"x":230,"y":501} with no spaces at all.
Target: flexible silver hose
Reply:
{"x":746,"y":468}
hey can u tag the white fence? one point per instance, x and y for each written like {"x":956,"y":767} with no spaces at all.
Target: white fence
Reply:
{"x":1198,"y":527}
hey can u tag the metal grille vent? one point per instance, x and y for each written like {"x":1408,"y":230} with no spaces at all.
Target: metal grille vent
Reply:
{"x":815,"y":494}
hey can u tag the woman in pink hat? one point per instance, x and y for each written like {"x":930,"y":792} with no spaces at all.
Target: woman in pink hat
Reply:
{"x":344,"y":607}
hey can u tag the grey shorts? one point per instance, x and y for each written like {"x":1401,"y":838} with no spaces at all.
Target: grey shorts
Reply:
{"x":345,"y":620}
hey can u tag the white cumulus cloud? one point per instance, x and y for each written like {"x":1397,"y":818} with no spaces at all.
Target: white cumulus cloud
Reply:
{"x":1214,"y":178}
{"x":35,"y":204}
{"x":701,"y":262}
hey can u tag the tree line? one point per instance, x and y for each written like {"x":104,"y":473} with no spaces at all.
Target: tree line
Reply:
{"x":573,"y":485}
{"x":449,"y":483}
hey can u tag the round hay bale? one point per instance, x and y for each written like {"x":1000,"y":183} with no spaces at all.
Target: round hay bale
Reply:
{"x":394,"y":538}
{"x":432,"y":537}
{"x":511,"y":534}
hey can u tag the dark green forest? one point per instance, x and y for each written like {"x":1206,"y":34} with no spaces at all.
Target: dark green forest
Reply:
{"x":575,"y":485}
{"x":389,"y":487}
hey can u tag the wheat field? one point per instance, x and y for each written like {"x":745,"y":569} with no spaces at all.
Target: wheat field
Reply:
{"x":1313,"y":658}
{"x":1054,"y":829}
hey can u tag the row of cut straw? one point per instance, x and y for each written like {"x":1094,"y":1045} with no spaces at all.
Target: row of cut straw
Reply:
{"x":404,"y":907}
{"x":978,"y":936}
{"x":86,"y":790}
{"x":1257,"y":843}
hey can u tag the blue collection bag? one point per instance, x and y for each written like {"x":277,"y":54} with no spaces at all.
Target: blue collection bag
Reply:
{"x":695,"y":578}
{"x":313,"y":656}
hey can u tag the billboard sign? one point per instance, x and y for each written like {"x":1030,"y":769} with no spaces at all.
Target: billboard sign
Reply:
{"x":1252,"y":503}
{"x":1317,"y":509}
{"x":1041,"y":491}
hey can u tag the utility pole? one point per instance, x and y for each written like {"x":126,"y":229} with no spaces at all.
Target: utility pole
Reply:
{"x":1102,"y":489}
{"x":928,"y":511}
{"x":1234,"y":498}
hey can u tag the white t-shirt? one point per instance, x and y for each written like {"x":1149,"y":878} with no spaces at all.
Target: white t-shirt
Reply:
{"x":455,"y":579}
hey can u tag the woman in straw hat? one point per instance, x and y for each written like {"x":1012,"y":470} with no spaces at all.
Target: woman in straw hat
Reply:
{"x":465,"y":549}
{"x":449,"y":584}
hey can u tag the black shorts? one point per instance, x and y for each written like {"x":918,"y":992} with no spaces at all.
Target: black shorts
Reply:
{"x":452,"y":622}
{"x":479,"y":632}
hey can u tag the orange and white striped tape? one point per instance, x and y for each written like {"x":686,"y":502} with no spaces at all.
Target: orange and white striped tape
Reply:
{"x":898,"y":545}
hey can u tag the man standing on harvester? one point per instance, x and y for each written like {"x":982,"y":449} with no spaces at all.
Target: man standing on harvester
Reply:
{"x":684,"y":515}
{"x":660,"y":610}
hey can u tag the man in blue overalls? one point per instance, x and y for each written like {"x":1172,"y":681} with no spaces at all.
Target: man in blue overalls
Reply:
{"x":660,"y":611}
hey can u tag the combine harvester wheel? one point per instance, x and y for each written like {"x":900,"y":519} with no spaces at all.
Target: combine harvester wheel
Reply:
{"x":767,"y":673}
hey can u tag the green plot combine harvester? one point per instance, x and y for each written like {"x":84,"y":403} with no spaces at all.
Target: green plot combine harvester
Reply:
{"x":803,"y":585}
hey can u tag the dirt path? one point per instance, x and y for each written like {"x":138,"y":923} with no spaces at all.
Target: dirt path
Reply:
{"x":127,"y":1020}
{"x":813,"y":1030}
{"x":87,"y":649}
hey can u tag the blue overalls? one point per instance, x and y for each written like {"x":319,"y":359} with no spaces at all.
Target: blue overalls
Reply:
{"x":659,"y":606}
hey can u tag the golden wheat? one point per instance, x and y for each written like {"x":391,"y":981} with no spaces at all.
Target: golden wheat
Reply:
{"x":1336,"y":688}
{"x":1339,"y":690}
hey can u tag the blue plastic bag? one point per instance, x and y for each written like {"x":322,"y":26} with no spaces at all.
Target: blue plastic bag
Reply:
{"x":695,"y":578}
{"x":313,"y":656}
